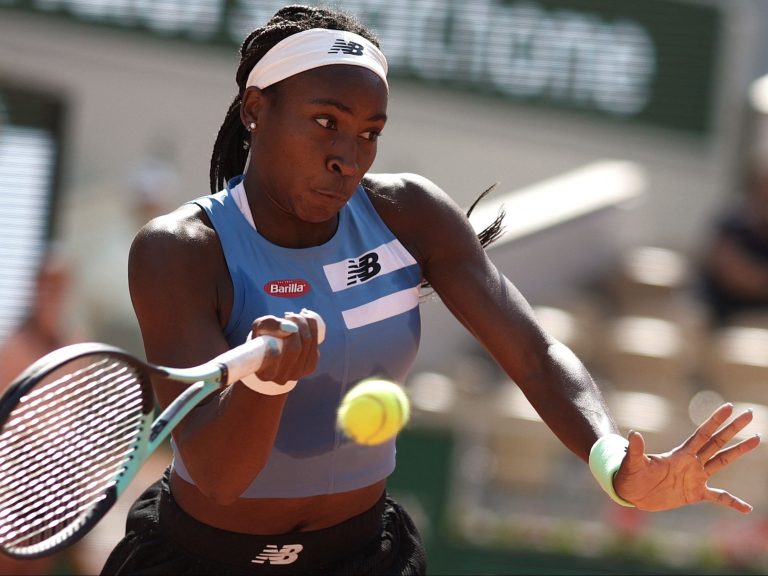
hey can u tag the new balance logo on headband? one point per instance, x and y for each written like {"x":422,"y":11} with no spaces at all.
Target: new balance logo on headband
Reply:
{"x":272,"y":555}
{"x":314,"y":48}
{"x":351,"y":48}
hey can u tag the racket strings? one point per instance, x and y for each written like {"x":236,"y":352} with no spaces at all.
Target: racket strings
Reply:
{"x":57,"y":515}
{"x":34,"y":439}
{"x":82,"y":455}
{"x":60,"y":397}
{"x":58,"y":496}
{"x":51,"y":445}
{"x":48,"y":502}
{"x":28,"y":439}
{"x":56,"y":524}
{"x":64,"y":445}
{"x":48,"y":479}
{"x":38,"y":505}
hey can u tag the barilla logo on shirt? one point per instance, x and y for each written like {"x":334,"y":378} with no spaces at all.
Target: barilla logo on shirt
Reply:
{"x":287,"y":288}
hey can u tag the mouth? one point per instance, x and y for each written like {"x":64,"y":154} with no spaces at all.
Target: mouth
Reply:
{"x":335,"y":194}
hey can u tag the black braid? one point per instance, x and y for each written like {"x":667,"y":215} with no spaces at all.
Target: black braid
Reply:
{"x":487,"y":236}
{"x":495,"y":229}
{"x":229,"y":155}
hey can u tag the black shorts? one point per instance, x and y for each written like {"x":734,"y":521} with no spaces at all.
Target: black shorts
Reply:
{"x":163,"y":539}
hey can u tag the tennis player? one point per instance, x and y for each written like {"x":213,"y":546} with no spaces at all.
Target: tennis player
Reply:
{"x":262,"y":482}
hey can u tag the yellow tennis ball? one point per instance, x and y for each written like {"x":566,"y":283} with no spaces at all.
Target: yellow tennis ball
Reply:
{"x":373,"y":411}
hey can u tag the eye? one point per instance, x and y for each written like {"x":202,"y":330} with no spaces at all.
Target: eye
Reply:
{"x":328,"y":123}
{"x":371,"y":135}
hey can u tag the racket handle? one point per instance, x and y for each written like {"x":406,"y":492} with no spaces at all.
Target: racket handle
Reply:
{"x":249,"y":356}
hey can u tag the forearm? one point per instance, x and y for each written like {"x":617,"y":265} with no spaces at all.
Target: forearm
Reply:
{"x":568,"y":400}
{"x":555,"y":382}
{"x":553,"y":379}
{"x":225,"y":442}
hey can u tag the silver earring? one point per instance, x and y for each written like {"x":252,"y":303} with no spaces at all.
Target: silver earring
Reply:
{"x":246,"y":142}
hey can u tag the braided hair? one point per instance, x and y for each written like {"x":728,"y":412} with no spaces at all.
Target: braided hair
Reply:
{"x":229,"y":155}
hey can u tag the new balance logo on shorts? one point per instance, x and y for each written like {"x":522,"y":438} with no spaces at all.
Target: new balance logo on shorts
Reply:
{"x":363,"y":268}
{"x":351,"y":48}
{"x":271,"y":554}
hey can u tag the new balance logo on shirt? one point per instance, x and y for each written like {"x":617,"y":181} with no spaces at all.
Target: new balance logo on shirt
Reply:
{"x":353,"y":272}
{"x":350,"y":48}
{"x":363,"y":268}
{"x":271,"y":554}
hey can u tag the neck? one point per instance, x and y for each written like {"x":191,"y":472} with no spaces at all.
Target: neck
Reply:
{"x":280,"y":225}
{"x":293,"y":233}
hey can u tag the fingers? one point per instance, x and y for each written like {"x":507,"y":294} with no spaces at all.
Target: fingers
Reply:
{"x":298,"y":354}
{"x":301,"y":350}
{"x":727,"y":499}
{"x":707,"y":429}
{"x":635,"y":451}
{"x":725,"y":457}
{"x":319,"y":323}
{"x":636,"y":444}
{"x":723,"y":436}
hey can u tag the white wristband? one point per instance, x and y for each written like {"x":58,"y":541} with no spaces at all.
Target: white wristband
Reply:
{"x":265,"y":387}
{"x":605,"y":458}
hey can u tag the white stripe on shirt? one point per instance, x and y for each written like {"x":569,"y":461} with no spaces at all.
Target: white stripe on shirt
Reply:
{"x":382,"y":308}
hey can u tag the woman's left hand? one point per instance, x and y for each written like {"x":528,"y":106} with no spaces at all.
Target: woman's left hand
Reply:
{"x":654,"y":482}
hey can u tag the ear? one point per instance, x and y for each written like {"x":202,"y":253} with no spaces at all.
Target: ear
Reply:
{"x":253,"y":99}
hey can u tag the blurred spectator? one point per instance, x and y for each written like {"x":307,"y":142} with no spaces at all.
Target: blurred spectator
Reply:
{"x":41,"y":332}
{"x":735,"y":263}
{"x":155,"y":183}
{"x":100,"y":234}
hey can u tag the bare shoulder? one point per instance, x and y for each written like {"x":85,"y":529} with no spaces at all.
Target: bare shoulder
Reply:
{"x":186,"y":225}
{"x":178,"y":249}
{"x":405,"y":189}
{"x":420,"y":213}
{"x":405,"y":199}
{"x":179,"y":235}
{"x":177,"y":276}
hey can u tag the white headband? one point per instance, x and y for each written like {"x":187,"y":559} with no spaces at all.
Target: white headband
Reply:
{"x":312,"y":49}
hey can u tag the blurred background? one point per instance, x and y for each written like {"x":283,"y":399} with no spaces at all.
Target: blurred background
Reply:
{"x":629,"y":142}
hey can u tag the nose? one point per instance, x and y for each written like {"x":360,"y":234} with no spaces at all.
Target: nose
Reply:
{"x":343,"y":158}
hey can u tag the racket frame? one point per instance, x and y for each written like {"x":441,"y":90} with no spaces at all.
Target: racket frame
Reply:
{"x":154,"y":429}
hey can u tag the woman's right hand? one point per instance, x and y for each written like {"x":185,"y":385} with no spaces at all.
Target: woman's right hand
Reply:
{"x":300,"y":334}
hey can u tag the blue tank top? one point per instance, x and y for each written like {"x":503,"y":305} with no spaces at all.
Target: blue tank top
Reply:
{"x":365,"y":285}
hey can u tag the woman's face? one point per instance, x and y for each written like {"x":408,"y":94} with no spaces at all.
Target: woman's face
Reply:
{"x":315,"y":137}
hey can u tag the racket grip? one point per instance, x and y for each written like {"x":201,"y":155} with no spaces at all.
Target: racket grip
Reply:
{"x":254,"y":382}
{"x":247,"y":357}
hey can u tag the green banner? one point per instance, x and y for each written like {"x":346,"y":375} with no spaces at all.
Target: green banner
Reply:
{"x":653,"y":62}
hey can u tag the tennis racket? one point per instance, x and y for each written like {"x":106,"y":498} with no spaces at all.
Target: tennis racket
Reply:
{"x":76,"y":427}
